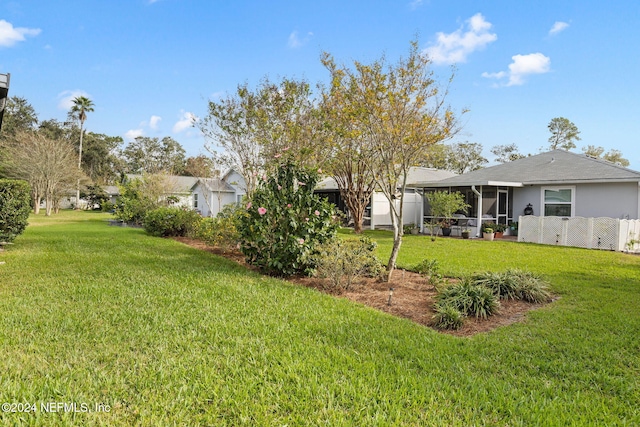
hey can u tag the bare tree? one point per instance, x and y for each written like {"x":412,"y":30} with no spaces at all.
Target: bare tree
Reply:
{"x":47,"y":163}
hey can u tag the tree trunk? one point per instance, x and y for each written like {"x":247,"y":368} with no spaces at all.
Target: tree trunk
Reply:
{"x":79,"y":166}
{"x":36,"y":203}
{"x":49,"y":205}
{"x":396,"y":221}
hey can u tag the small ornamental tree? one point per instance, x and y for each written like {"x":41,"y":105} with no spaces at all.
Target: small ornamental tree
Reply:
{"x":285,"y":222}
{"x":15,"y":205}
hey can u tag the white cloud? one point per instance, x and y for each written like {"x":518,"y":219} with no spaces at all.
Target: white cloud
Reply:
{"x":415,"y":4}
{"x":296,"y":42}
{"x":187,"y":120}
{"x":558,"y":27}
{"x":132,"y":134}
{"x":522,"y":66}
{"x":153,"y":122}
{"x":65,"y":99}
{"x":457,"y":46}
{"x":10,"y":35}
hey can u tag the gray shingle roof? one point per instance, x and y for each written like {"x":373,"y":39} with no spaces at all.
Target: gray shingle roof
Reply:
{"x":557,"y":166}
{"x":418,"y":176}
{"x":215,"y":184}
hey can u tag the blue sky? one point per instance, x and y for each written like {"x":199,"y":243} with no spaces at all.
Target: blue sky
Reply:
{"x":150,"y":65}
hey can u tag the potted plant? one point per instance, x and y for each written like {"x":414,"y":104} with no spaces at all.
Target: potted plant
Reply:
{"x":466,"y":233}
{"x":443,"y":206}
{"x":488,"y":234}
{"x":499,"y":230}
{"x":488,"y":228}
{"x":410,"y":229}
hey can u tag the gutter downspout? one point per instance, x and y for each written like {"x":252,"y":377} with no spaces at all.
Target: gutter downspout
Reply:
{"x":479,"y":213}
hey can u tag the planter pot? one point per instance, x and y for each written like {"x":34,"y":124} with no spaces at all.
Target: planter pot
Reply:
{"x":446,"y":231}
{"x":465,"y":234}
{"x":488,"y":236}
{"x":499,"y":234}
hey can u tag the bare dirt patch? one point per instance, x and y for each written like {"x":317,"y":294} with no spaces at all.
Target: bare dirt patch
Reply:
{"x":413,"y":297}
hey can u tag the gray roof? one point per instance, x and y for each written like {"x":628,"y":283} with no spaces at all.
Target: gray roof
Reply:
{"x":553,"y":167}
{"x":215,"y":184}
{"x":418,"y":177}
{"x":179,"y":184}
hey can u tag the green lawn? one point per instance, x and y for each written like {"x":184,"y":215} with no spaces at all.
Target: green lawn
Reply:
{"x":168,"y":335}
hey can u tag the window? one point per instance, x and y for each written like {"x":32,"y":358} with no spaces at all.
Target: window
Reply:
{"x":558,"y":201}
{"x":195,"y":200}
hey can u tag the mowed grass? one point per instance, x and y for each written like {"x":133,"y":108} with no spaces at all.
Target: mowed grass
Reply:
{"x":168,"y":335}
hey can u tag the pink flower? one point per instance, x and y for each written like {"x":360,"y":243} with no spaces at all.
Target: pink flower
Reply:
{"x":285,"y":148}
{"x":301,"y":183}
{"x":264,"y":177}
{"x":278,"y":155}
{"x":249,"y":205}
{"x":262,"y":210}
{"x":301,"y":241}
{"x":288,"y":205}
{"x":306,"y":219}
{"x":279,"y":187}
{"x":319,"y":170}
{"x":317,"y":213}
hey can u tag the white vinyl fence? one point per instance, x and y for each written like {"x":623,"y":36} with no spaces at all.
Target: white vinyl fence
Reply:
{"x":610,"y":234}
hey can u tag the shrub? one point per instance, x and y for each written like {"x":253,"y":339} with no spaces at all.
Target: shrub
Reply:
{"x":531,"y":287}
{"x":448,"y":317}
{"x":222,"y":231}
{"x":285,"y":222}
{"x":470,"y":298}
{"x":15,"y":205}
{"x":343,"y":261}
{"x":171,"y":221}
{"x":502,"y":285}
{"x":139,"y":196}
{"x":515,"y":284}
{"x":430,"y":269}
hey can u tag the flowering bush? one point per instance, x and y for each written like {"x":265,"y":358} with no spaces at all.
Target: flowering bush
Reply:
{"x":285,"y":222}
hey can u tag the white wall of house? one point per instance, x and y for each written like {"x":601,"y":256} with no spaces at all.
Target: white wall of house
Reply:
{"x":610,"y":200}
{"x":208,"y":203}
{"x":381,"y":211}
{"x":235,"y":180}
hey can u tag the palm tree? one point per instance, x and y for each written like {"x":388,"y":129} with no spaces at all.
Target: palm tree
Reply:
{"x":81,"y":106}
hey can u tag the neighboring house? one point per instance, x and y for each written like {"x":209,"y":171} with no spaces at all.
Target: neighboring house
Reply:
{"x":113,"y":192}
{"x":206,"y":195}
{"x":378,"y":213}
{"x":556,"y":183}
{"x":211,"y":195}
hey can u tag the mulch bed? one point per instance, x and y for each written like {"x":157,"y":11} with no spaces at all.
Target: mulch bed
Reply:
{"x":413,"y":297}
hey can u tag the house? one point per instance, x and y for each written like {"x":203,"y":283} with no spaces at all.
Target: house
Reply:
{"x":211,"y":195}
{"x":206,"y":195}
{"x":557,"y":183}
{"x":378,"y":213}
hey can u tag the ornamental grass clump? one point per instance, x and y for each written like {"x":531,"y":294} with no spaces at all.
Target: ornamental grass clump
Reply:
{"x":470,"y":298}
{"x":285,"y":222}
{"x":448,"y":317}
{"x":515,"y":284}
